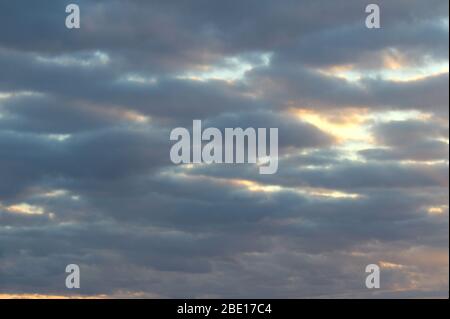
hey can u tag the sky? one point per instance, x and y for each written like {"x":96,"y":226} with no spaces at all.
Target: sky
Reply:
{"x":86,"y":177}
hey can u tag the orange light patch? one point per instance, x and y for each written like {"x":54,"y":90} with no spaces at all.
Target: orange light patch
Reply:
{"x":41,"y":296}
{"x":437,"y":210}
{"x":25,"y":209}
{"x":390,"y":265}
{"x":347,"y":125}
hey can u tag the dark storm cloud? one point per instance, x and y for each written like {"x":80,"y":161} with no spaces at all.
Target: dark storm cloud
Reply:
{"x":105,"y":86}
{"x":178,"y":33}
{"x":17,"y":220}
{"x":316,"y":232}
{"x":420,"y":151}
{"x":28,"y":160}
{"x":343,"y":175}
{"x":398,"y":133}
{"x":377,"y":175}
{"x":414,"y":43}
{"x":102,"y":87}
{"x":85,"y":117}
{"x":306,"y":88}
{"x":413,"y":140}
{"x":46,"y":114}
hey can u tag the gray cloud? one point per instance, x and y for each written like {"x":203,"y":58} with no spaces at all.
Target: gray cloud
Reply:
{"x":86,"y":178}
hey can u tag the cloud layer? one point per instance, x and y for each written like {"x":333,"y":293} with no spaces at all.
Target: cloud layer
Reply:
{"x":86,"y":178}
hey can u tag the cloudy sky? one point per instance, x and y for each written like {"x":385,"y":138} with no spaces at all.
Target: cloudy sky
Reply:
{"x":86,"y":177}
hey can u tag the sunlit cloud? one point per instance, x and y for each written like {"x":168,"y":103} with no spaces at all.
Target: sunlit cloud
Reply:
{"x":394,"y":71}
{"x":390,"y":265}
{"x":139,"y":79}
{"x":438,"y":210}
{"x":58,"y":137}
{"x":254,"y":186}
{"x":25,"y":209}
{"x":97,"y":58}
{"x":346,"y":126}
{"x":85,"y":170}
{"x":231,"y":69}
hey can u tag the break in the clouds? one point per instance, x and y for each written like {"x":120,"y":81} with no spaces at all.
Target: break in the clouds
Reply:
{"x":86,"y":178}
